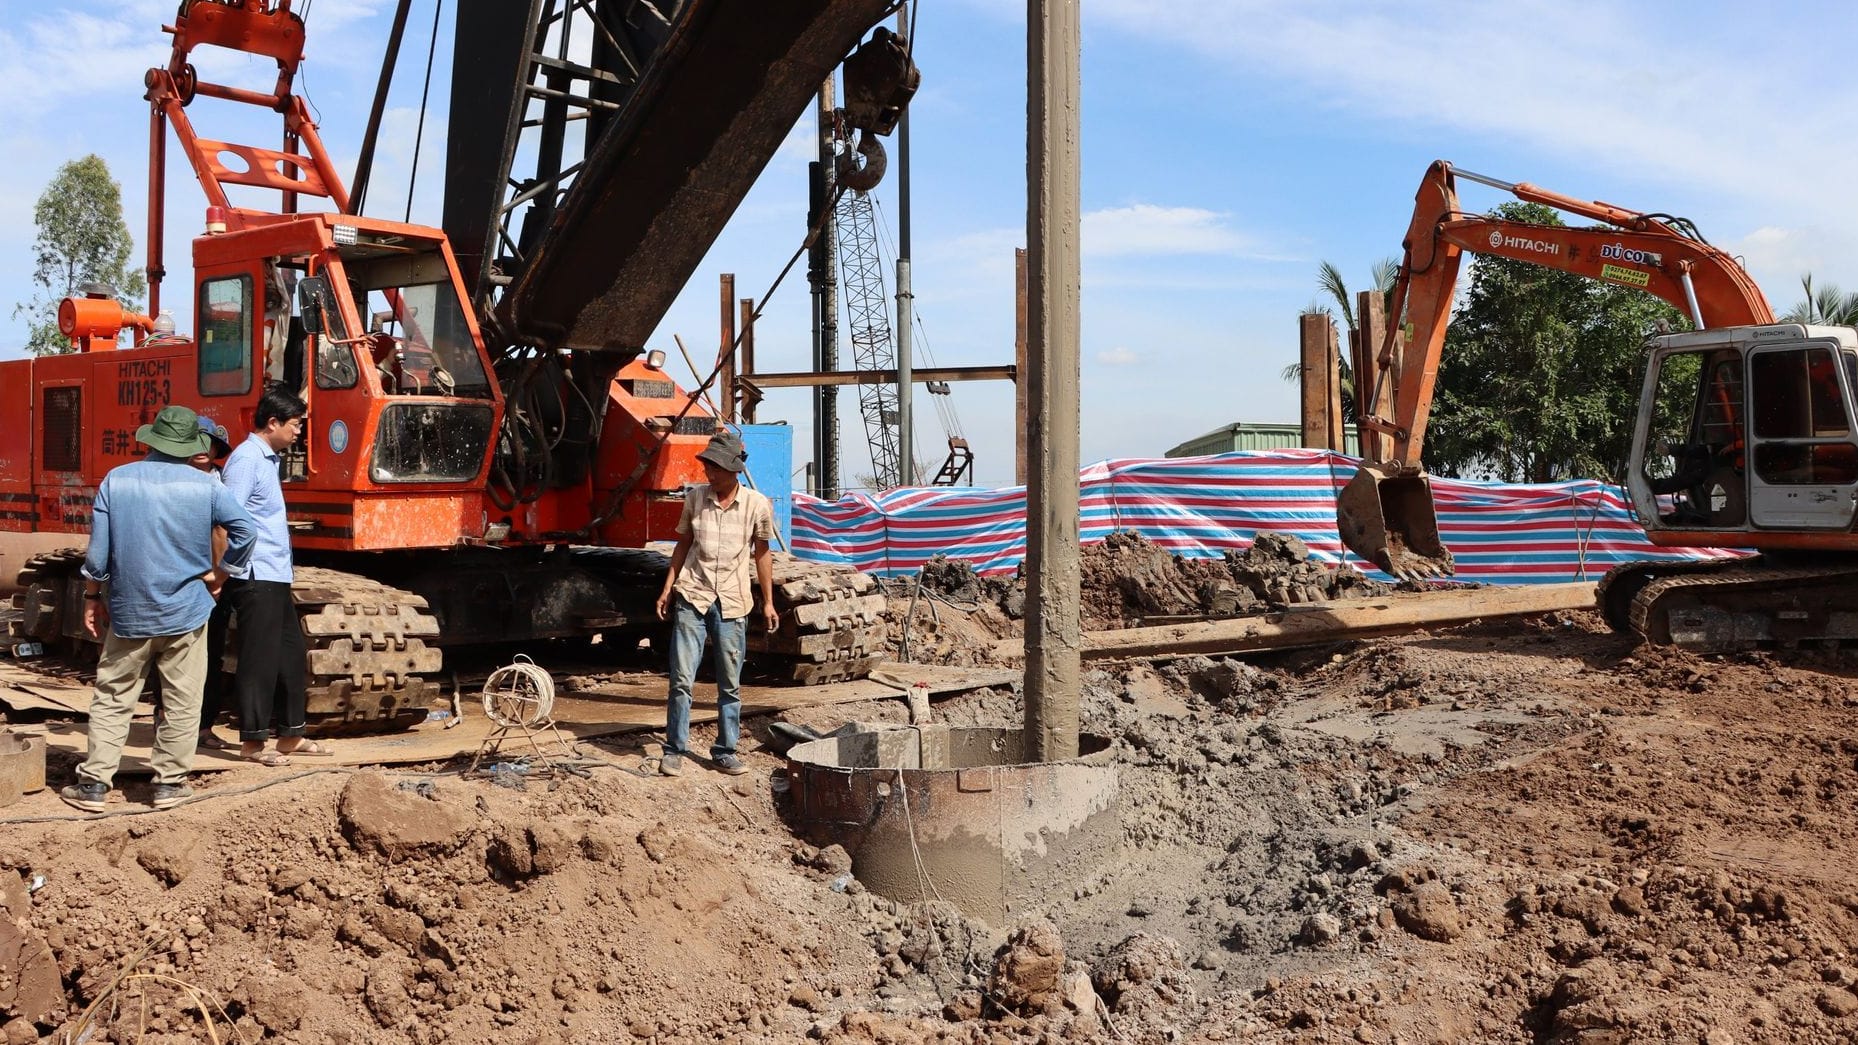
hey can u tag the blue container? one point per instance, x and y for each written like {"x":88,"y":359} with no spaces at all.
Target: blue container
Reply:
{"x":770,"y":470}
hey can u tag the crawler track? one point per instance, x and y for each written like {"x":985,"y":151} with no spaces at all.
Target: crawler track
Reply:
{"x":832,"y":617}
{"x":370,"y":657}
{"x":374,"y":650}
{"x":831,"y":625}
{"x":1733,"y":604}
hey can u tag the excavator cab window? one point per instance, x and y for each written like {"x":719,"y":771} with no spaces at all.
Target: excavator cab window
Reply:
{"x":1695,"y":466}
{"x":1802,"y":429}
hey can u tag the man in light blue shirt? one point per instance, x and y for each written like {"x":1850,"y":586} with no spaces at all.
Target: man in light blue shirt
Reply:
{"x":151,"y":542}
{"x":270,"y":685}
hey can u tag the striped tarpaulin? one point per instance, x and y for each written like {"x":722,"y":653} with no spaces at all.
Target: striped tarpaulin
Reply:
{"x":1500,"y":533}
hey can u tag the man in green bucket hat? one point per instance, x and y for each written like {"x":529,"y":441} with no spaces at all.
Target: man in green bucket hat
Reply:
{"x":151,"y":544}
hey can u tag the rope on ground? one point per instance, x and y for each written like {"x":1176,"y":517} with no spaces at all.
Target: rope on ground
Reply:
{"x":922,"y":869}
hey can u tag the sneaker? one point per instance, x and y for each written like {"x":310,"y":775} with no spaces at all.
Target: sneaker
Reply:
{"x":167,"y":796}
{"x":671,"y":765}
{"x":87,"y":795}
{"x":729,"y":764}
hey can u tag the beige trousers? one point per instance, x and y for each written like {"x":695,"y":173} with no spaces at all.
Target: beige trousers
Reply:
{"x":121,"y":671}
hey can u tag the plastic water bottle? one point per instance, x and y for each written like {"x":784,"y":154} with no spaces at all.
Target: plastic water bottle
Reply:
{"x":164,"y":323}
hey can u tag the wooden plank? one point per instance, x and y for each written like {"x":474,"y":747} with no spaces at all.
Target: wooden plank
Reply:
{"x":1313,"y":330}
{"x":1333,"y":622}
{"x":1372,"y":312}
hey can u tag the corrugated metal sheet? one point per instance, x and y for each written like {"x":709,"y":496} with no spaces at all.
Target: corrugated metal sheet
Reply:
{"x":1244,"y":436}
{"x":770,"y":469}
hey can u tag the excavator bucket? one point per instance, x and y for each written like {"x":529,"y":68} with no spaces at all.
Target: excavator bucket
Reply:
{"x":1385,"y":515}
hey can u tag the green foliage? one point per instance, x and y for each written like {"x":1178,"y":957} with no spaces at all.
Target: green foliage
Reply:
{"x":1539,"y":378}
{"x":1329,"y":280}
{"x":82,"y":239}
{"x":1827,"y":305}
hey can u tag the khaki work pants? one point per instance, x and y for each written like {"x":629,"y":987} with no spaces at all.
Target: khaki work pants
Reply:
{"x":181,"y":659}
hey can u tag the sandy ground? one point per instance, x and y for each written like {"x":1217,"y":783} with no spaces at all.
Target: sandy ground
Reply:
{"x":1533,"y":833}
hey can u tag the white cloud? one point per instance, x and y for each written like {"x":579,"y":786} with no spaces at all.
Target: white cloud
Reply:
{"x":1120,"y":355}
{"x":1778,"y":256}
{"x":1146,"y":229}
{"x":1573,"y":80}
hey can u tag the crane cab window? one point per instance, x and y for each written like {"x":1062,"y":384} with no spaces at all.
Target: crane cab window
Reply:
{"x":418,"y":339}
{"x":226,"y":336}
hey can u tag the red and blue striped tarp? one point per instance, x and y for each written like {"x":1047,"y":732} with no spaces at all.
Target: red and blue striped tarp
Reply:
{"x":1202,"y":507}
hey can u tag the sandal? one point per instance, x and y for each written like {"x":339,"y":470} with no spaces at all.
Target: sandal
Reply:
{"x":309,"y":748}
{"x":212,"y":742}
{"x":267,"y":758}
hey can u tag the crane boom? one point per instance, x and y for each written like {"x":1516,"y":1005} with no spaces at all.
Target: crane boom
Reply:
{"x":683,"y":104}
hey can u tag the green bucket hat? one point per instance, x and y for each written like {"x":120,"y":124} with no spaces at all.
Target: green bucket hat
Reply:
{"x":175,"y":432}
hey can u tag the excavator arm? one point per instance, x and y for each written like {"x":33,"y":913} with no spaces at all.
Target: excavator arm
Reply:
{"x":1385,"y":514}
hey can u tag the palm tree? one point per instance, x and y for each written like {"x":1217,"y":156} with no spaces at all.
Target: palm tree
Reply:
{"x":1329,"y":280}
{"x":1827,"y":305}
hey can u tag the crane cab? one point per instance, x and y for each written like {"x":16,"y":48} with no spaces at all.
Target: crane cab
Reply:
{"x":1748,"y":430}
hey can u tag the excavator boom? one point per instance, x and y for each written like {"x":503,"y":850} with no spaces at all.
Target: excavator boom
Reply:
{"x":1385,"y":514}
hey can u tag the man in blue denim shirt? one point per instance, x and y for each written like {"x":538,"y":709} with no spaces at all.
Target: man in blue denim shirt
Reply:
{"x":151,"y":541}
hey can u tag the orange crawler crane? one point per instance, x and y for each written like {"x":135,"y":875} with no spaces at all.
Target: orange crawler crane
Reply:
{"x":1745,"y":435}
{"x":446,"y":491}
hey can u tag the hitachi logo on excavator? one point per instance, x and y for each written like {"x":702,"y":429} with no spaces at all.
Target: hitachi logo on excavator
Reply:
{"x":1539,"y":246}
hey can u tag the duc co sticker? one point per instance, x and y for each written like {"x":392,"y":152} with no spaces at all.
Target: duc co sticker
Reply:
{"x":338,"y":436}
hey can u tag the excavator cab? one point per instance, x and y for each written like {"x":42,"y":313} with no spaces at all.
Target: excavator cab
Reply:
{"x":1748,"y":429}
{"x":1696,"y":460}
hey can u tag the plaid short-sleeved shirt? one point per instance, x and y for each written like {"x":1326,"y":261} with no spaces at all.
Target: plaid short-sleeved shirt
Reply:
{"x":720,"y":565}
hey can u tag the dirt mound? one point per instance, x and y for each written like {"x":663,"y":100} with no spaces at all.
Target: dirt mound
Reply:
{"x":951,"y":578}
{"x":1277,"y":570}
{"x":1523,"y":832}
{"x":402,"y":909}
{"x":948,"y":614}
{"x":1127,"y":578}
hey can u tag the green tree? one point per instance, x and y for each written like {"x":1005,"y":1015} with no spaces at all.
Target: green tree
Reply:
{"x":82,"y":238}
{"x":1827,"y":305}
{"x":1539,"y":377}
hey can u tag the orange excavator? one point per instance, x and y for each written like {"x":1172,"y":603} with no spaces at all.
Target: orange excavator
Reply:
{"x":1745,"y":436}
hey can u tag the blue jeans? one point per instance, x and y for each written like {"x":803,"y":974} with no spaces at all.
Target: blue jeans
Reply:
{"x":689,"y":629}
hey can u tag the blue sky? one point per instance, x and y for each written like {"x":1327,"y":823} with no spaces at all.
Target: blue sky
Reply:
{"x":1229,"y":147}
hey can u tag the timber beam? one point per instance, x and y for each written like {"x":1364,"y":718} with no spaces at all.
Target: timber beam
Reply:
{"x":1316,"y":625}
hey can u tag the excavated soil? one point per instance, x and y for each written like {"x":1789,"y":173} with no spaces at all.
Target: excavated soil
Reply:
{"x":1532,"y":832}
